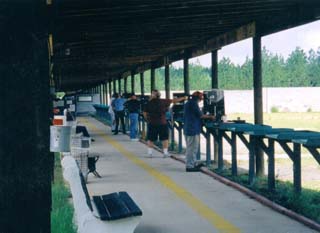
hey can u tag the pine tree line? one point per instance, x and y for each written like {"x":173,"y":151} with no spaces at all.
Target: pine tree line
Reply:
{"x":300,"y":69}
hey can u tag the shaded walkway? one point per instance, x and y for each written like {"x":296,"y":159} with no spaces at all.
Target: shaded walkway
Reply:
{"x":172,"y":200}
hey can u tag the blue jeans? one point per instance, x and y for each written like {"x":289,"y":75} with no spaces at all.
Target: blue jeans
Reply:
{"x":133,"y":125}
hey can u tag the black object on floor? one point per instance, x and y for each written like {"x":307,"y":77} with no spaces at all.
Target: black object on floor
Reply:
{"x":92,"y":165}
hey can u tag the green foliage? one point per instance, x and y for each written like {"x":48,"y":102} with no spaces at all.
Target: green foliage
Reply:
{"x":306,"y":204}
{"x":299,"y":70}
{"x":274,"y":109}
{"x":62,"y":210}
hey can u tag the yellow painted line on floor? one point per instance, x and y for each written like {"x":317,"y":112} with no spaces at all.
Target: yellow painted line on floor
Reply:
{"x":217,"y":221}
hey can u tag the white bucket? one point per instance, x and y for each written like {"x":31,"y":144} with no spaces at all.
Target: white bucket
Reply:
{"x":60,"y":138}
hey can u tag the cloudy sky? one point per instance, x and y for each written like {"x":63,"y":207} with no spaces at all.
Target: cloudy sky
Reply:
{"x":283,"y":43}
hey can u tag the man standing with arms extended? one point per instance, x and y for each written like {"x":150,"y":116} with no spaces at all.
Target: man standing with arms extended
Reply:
{"x":192,"y":128}
{"x":154,"y":113}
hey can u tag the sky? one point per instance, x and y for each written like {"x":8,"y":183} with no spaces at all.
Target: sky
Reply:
{"x":283,"y":43}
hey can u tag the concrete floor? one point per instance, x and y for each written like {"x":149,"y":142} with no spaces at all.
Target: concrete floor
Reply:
{"x":172,"y":200}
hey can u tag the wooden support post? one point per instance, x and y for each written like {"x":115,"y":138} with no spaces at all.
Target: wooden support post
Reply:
{"x":114,"y":85}
{"x":103,"y":93}
{"x":186,"y":82}
{"x":258,"y":105}
{"x":167,"y":81}
{"x":125,"y":84}
{"x":252,"y":143}
{"x":208,"y":148}
{"x":172,"y":146}
{"x":106,"y":92}
{"x":271,"y":164}
{"x":26,"y":164}
{"x":119,"y":85}
{"x":214,"y":69}
{"x":110,"y":90}
{"x":214,"y":84}
{"x":220,"y":150}
{"x":100,"y":93}
{"x":234,"y":165}
{"x":142,"y":83}
{"x":152,"y":77}
{"x":132,"y":82}
{"x":297,"y":167}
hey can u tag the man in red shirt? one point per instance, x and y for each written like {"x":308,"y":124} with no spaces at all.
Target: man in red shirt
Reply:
{"x":155,"y":115}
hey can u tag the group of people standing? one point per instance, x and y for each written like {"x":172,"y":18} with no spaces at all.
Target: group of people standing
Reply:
{"x":154,"y":113}
{"x":117,"y":112}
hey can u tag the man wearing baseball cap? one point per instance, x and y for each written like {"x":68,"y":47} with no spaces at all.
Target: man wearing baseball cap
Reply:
{"x":192,"y":128}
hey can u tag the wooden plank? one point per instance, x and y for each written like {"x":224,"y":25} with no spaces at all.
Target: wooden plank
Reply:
{"x":244,"y":140}
{"x":315,"y":153}
{"x":287,"y":149}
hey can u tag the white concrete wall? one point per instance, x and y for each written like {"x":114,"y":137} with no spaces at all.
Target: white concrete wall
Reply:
{"x":83,"y":108}
{"x":298,"y":99}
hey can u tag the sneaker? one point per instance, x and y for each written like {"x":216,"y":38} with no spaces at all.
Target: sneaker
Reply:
{"x":192,"y":169}
{"x":134,"y":139}
{"x":166,"y":155}
{"x":199,"y":165}
{"x":150,"y":155}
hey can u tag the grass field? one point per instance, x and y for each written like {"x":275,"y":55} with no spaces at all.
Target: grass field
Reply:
{"x":305,"y":120}
{"x":299,"y":121}
{"x":308,"y":203}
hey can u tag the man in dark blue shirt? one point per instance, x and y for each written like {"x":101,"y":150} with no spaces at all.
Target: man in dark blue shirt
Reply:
{"x":118,"y":108}
{"x":192,"y":128}
{"x":133,"y":107}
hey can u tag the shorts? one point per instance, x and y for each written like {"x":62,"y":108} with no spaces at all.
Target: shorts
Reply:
{"x":155,"y":131}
